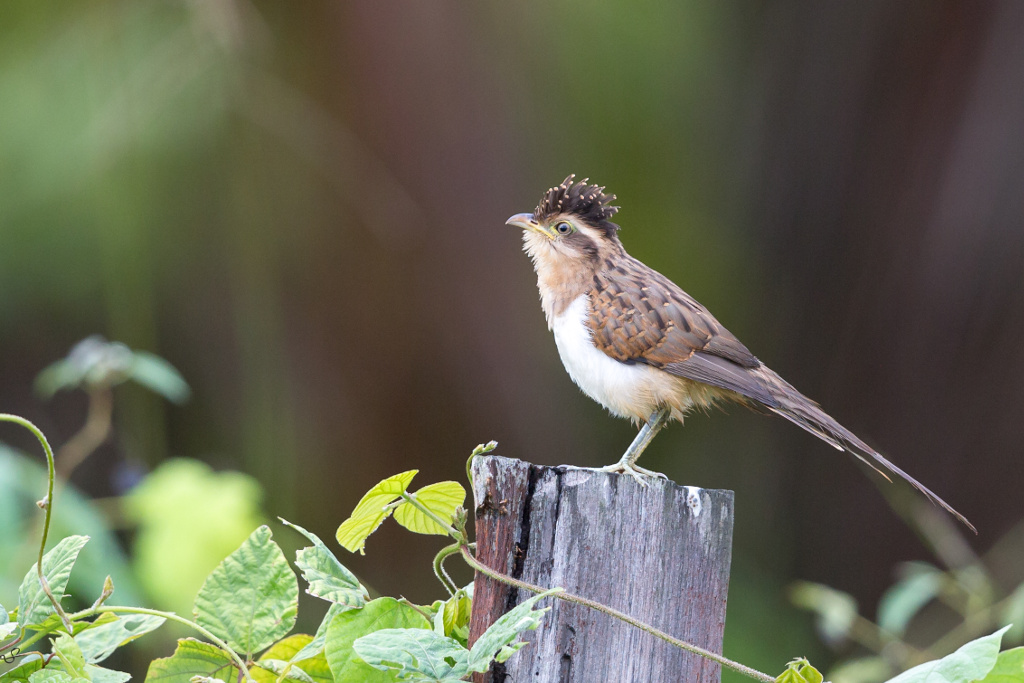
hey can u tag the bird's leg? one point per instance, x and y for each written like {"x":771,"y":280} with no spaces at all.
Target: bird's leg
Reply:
{"x":627,"y":464}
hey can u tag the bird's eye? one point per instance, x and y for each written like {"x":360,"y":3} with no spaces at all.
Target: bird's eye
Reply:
{"x":563,"y":228}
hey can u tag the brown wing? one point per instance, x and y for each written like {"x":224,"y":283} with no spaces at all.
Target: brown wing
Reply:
{"x":638,"y":315}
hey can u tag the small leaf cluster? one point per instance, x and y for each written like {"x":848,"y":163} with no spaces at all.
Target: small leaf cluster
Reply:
{"x":427,"y":511}
{"x":967,"y":599}
{"x":800,"y":671}
{"x":95,"y":363}
{"x":75,"y":653}
{"x":247,"y":608}
{"x":428,"y":656}
{"x":433,"y":647}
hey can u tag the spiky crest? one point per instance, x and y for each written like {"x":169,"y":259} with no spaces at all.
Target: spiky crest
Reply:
{"x":586,"y":202}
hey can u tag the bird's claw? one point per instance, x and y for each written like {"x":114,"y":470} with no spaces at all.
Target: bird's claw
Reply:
{"x":638,"y":473}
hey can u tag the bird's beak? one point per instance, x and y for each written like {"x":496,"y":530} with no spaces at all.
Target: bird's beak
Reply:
{"x":525,"y":221}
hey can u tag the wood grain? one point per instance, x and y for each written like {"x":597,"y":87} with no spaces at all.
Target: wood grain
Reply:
{"x":660,"y":553}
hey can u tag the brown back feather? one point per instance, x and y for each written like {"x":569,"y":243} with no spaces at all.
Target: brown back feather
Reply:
{"x":637,"y":315}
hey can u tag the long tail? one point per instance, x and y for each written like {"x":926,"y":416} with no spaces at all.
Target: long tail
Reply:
{"x":802,"y":411}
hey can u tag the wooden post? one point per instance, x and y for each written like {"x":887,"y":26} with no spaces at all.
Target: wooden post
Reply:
{"x":659,"y":553}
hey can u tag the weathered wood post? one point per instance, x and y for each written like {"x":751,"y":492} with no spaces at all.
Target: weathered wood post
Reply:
{"x":659,"y":553}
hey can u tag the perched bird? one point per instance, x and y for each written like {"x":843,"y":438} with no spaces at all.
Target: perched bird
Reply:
{"x":642,"y":347}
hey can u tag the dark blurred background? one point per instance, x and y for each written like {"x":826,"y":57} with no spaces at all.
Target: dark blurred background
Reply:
{"x":301,"y":206}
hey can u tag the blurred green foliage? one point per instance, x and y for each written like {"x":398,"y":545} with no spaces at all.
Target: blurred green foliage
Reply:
{"x":921,"y":617}
{"x":95,"y":363}
{"x":176,"y":542}
{"x":184,"y":517}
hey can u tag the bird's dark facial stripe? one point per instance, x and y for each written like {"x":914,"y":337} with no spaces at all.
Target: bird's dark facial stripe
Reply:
{"x":586,"y":202}
{"x":584,"y":245}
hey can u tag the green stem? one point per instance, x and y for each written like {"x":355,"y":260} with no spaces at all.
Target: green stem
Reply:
{"x":170,"y":616}
{"x":869,"y":634}
{"x":47,"y":505}
{"x":481,"y":449}
{"x":28,"y":642}
{"x":92,"y":434}
{"x":439,"y":570}
{"x":569,"y":597}
{"x":459,"y":538}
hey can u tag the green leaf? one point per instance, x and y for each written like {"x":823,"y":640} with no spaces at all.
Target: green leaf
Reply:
{"x":7,"y":627}
{"x":7,"y":630}
{"x":97,"y":674}
{"x":352,"y":624}
{"x":316,"y":646}
{"x":95,"y":362}
{"x":34,"y":606}
{"x":453,"y":615}
{"x":159,"y":376}
{"x":55,"y":676}
{"x":862,"y":670}
{"x":972,"y":662}
{"x":327,"y":577}
{"x":1013,"y":613}
{"x":371,"y":511}
{"x":21,"y":673}
{"x":920,"y":584}
{"x":192,"y":658}
{"x":441,"y":498}
{"x":288,"y":650}
{"x":99,"y":642}
{"x":800,"y":671}
{"x":206,"y":679}
{"x":836,"y":610}
{"x":70,"y":655}
{"x":283,"y":670}
{"x":414,"y":654}
{"x":92,"y":362}
{"x":498,"y":639}
{"x":1009,"y":667}
{"x":53,"y":624}
{"x":316,"y":668}
{"x":251,"y":598}
{"x":59,"y":375}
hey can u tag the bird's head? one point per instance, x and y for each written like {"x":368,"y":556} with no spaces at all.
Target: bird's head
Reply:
{"x":571,"y":225}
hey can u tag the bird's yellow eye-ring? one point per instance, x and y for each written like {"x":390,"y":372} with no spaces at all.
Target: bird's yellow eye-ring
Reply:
{"x":564,"y":228}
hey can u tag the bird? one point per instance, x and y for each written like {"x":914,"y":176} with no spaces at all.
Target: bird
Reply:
{"x":643,"y":348}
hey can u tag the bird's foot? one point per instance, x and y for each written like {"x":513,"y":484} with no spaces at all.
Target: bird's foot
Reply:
{"x":635,"y":471}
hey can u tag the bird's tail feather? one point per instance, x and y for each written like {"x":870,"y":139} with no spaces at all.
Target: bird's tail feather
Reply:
{"x":805,"y":413}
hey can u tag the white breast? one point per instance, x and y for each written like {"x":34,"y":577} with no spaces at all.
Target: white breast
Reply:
{"x":627,"y":390}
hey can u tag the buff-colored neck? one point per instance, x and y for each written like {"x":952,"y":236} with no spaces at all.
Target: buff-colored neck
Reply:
{"x":561,"y":277}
